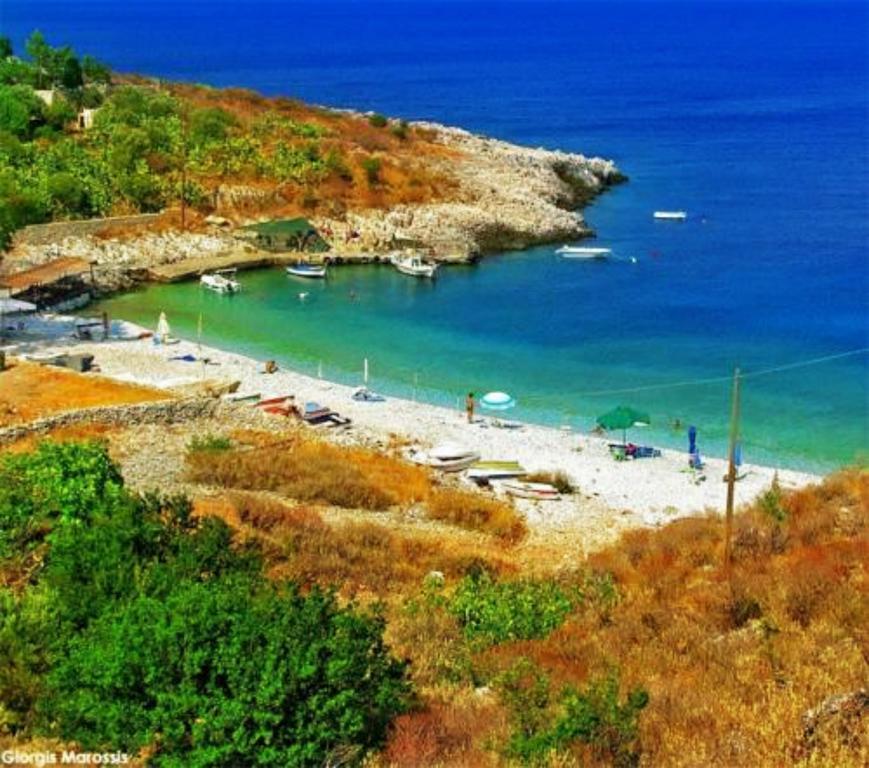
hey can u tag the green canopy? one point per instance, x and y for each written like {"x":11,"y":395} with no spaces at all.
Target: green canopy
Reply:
{"x":622,"y":418}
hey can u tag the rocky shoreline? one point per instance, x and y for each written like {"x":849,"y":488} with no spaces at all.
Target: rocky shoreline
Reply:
{"x":505,"y":197}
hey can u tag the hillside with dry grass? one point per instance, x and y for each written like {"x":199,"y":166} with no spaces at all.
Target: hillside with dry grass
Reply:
{"x":521,"y":650}
{"x":728,"y":664}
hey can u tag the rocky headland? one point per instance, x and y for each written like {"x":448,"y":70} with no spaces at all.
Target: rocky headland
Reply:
{"x":501,"y":197}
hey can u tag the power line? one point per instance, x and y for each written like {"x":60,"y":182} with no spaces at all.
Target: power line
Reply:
{"x":720,"y":379}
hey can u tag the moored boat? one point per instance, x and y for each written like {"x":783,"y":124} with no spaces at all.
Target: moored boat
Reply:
{"x":581,"y":252}
{"x":671,"y":215}
{"x":414,"y":266}
{"x":307,"y":270}
{"x":221,"y":281}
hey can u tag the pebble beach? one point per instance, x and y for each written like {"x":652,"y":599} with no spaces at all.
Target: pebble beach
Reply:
{"x":649,"y":491}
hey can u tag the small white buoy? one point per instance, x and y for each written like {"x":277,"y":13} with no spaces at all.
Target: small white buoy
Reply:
{"x":303,"y":296}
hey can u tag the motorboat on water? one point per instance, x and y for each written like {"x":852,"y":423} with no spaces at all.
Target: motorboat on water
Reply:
{"x":221,"y":281}
{"x":414,"y":266}
{"x":581,"y":252}
{"x":671,"y":215}
{"x":448,"y":457}
{"x":317,"y":271}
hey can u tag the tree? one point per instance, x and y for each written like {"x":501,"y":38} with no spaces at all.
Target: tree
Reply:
{"x":210,"y":125}
{"x":5,"y":47}
{"x":68,"y":194}
{"x":95,"y":71}
{"x":40,"y":53}
{"x":70,"y":72}
{"x":20,"y":110}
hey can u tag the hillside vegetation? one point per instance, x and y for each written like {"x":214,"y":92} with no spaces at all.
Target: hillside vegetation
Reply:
{"x":209,"y":635}
{"x":152,"y":143}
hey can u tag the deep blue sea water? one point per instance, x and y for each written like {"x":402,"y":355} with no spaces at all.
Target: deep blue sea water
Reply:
{"x":753,"y":116}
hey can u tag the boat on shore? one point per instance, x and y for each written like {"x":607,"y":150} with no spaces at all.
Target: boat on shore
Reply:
{"x":670,"y":215}
{"x":483,"y":471}
{"x":581,"y":252}
{"x":448,"y":457}
{"x":315,"y":271}
{"x":523,"y":490}
{"x":221,"y":281}
{"x":414,"y":266}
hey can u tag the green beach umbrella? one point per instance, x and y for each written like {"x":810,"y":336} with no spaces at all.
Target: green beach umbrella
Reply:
{"x":623,"y":418}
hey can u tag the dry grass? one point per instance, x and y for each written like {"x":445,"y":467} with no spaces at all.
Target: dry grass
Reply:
{"x":478,"y":513}
{"x":732,"y":660}
{"x":69,"y":434}
{"x":358,"y":556}
{"x":412,"y":167}
{"x":29,"y":391}
{"x":314,"y":471}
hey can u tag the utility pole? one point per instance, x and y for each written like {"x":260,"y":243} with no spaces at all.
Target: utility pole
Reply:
{"x":731,"y":470}
{"x":183,"y":168}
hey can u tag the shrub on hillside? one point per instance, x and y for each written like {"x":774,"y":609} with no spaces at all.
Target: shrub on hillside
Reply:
{"x":377,"y":120}
{"x":235,"y":673}
{"x":495,"y":612}
{"x":57,"y":482}
{"x":147,"y":627}
{"x":592,"y":719}
{"x":477,"y":513}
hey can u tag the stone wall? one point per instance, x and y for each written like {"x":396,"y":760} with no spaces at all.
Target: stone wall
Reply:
{"x":45,"y":234}
{"x":159,"y":412}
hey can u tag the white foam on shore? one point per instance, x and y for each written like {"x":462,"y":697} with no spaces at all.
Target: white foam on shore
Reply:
{"x":655,"y":490}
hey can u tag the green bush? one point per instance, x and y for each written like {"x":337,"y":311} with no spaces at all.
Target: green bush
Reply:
{"x":399,"y":129}
{"x":372,"y":166}
{"x":377,"y":120}
{"x":209,"y":443}
{"x":593,"y":716}
{"x":147,"y":627}
{"x":64,"y":483}
{"x":234,"y":673}
{"x":20,"y":110}
{"x":495,"y":612}
{"x":770,"y":502}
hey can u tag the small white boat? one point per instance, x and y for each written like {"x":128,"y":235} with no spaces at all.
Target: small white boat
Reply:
{"x":414,"y":266}
{"x":221,"y":281}
{"x":307,"y":270}
{"x":671,"y":215}
{"x":578,"y":252}
{"x":522,"y":490}
{"x":448,"y":457}
{"x":493,"y":470}
{"x":365,"y":395}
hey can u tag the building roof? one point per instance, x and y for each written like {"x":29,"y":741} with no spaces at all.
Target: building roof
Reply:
{"x":46,"y":274}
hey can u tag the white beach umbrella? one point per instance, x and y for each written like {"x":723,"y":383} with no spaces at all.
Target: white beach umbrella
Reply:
{"x":497,"y":401}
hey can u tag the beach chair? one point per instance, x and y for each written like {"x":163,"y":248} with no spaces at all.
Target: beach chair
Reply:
{"x":646,"y":452}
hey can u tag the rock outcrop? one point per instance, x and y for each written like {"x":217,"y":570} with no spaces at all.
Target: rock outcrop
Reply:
{"x":507,"y":197}
{"x":504,"y":197}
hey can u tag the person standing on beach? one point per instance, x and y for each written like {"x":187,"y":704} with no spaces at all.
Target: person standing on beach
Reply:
{"x":469,"y":407}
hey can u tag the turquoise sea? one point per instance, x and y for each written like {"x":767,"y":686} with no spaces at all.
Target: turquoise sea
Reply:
{"x":753,"y":116}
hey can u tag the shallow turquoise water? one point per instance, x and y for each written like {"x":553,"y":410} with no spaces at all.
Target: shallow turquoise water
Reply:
{"x":500,"y":325}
